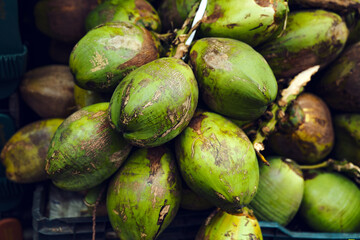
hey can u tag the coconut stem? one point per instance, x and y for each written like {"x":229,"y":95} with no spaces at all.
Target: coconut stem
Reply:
{"x":316,"y":166}
{"x":94,"y":212}
{"x":279,"y":108}
{"x":178,"y":48}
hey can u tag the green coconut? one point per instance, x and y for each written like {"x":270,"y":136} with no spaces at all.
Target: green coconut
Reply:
{"x":311,"y":37}
{"x":331,"y":203}
{"x":139,"y":12}
{"x":24,"y":154}
{"x":280,"y":191}
{"x":306,"y":135}
{"x":234,"y":79}
{"x":173,"y":13}
{"x":85,"y":150}
{"x":85,"y":97}
{"x":144,"y":195}
{"x":221,"y":225}
{"x":250,"y":21}
{"x":217,"y":161}
{"x":347,"y":137}
{"x":339,"y":84}
{"x":107,"y":53}
{"x":155,"y":102}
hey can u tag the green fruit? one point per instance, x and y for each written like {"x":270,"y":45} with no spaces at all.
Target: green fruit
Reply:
{"x":85,"y":150}
{"x":85,"y":97}
{"x":353,"y":21}
{"x":173,"y":13}
{"x":155,"y":102}
{"x":307,"y":134}
{"x":221,"y":225}
{"x":234,"y":79}
{"x":107,"y":53}
{"x":312,"y":37}
{"x":144,"y":195}
{"x":331,"y":203}
{"x":193,"y":201}
{"x":218,"y":161}
{"x":347,"y":137}
{"x":339,"y":85}
{"x":139,"y":12}
{"x":250,"y":21}
{"x":24,"y":154}
{"x":280,"y":191}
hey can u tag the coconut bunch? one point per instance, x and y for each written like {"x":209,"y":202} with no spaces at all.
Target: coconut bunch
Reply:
{"x":227,"y":122}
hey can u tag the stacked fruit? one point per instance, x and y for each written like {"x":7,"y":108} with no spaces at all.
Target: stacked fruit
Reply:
{"x":151,"y":127}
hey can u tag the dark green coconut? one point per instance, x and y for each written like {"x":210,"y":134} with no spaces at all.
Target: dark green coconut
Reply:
{"x":24,"y":154}
{"x":173,"y":13}
{"x":224,"y":226}
{"x":331,"y":203}
{"x":155,"y":102}
{"x":250,"y":21}
{"x":139,"y":12}
{"x":193,"y":201}
{"x":234,"y":79}
{"x":306,"y":135}
{"x":107,"y":53}
{"x":312,"y":37}
{"x":353,"y":22}
{"x":85,"y":150}
{"x":217,"y":161}
{"x":339,"y":85}
{"x":280,"y":191}
{"x":347,"y":137}
{"x":144,"y":195}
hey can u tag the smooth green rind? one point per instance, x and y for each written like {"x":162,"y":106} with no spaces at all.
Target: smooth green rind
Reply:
{"x":139,"y":12}
{"x":250,"y":21}
{"x":24,"y":154}
{"x":311,"y":37}
{"x":331,"y":203}
{"x":155,"y":102}
{"x":107,"y":53}
{"x":85,"y":150}
{"x":307,"y":134}
{"x":347,"y":137}
{"x":144,"y":195}
{"x":339,"y":84}
{"x":221,"y":225}
{"x":218,"y":161}
{"x":280,"y":191}
{"x":234,"y":80}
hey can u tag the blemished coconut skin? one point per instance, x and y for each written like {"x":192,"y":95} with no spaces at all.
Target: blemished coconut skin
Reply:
{"x":339,"y":85}
{"x":234,"y":80}
{"x":155,"y":102}
{"x":139,"y":12}
{"x":223,"y":226}
{"x":217,"y":161}
{"x":311,"y":37}
{"x":331,"y":202}
{"x":347,"y":137}
{"x":280,"y":191}
{"x":48,"y":90}
{"x":144,"y":196}
{"x":24,"y":154}
{"x":108,"y":52}
{"x":307,"y":135}
{"x":250,"y":21}
{"x":85,"y":150}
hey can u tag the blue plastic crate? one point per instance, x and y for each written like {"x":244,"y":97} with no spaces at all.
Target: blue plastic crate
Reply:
{"x":184,"y":227}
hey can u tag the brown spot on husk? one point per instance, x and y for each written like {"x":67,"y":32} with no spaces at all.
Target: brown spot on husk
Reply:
{"x":155,"y":155}
{"x":195,"y":123}
{"x":218,"y":13}
{"x":263,"y":3}
{"x":231,"y":26}
{"x":220,"y":195}
{"x":147,"y":53}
